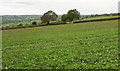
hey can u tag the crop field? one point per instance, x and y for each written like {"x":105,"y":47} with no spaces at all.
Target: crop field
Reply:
{"x":101,"y":17}
{"x":92,"y":45}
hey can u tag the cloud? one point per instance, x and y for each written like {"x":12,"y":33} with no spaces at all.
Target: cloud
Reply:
{"x":59,"y":6}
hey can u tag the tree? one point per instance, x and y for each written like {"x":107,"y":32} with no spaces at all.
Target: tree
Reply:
{"x":49,"y":16}
{"x":64,"y":17}
{"x":71,"y":15}
{"x":96,"y":15}
{"x":92,"y":15}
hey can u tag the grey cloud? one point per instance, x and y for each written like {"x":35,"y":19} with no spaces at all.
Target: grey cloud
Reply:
{"x":59,"y":6}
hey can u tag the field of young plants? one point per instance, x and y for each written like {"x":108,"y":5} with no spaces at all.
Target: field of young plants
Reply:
{"x":91,"y":45}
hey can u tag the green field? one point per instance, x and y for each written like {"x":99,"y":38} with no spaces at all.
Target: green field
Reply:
{"x":100,"y":17}
{"x":91,"y":45}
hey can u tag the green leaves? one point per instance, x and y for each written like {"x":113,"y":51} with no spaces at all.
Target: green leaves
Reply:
{"x":78,"y":46}
{"x":70,"y":16}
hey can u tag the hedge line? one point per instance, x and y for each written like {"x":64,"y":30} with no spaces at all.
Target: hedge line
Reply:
{"x":59,"y":23}
{"x":96,"y":20}
{"x":5,"y":28}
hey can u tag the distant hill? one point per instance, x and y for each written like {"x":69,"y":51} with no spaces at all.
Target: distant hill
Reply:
{"x":21,"y":18}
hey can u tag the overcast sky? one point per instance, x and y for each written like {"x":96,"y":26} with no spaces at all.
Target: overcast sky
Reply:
{"x":39,"y":7}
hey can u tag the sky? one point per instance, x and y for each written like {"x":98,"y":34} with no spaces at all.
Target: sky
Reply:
{"x":39,"y":7}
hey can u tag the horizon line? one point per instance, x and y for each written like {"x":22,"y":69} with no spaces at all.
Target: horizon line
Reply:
{"x":58,"y":14}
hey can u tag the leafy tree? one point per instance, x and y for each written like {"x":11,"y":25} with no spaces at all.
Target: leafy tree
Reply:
{"x":64,"y":17}
{"x":49,"y":16}
{"x":92,"y":15}
{"x":71,"y":15}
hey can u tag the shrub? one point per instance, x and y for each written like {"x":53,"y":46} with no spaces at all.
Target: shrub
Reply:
{"x":20,"y":25}
{"x":34,"y":23}
{"x":59,"y":22}
{"x":26,"y":24}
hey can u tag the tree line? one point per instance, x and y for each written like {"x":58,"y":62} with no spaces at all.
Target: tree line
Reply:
{"x":71,"y":15}
{"x":49,"y":16}
{"x":52,"y":16}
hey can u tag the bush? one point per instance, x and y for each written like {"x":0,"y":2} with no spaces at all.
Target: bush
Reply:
{"x":12,"y":26}
{"x":20,"y":25}
{"x":60,"y":22}
{"x":34,"y":23}
{"x":26,"y":24}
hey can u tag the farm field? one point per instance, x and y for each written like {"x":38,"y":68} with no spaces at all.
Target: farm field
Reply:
{"x":91,"y":45}
{"x":100,"y":17}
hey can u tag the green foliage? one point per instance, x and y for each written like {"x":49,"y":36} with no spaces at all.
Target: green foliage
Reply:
{"x":64,"y":17}
{"x":101,"y":15}
{"x":20,"y":25}
{"x":57,"y":22}
{"x":80,"y":46}
{"x":71,"y":15}
{"x":34,"y":23}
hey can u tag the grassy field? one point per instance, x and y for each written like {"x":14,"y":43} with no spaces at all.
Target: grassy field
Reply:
{"x":91,"y":45}
{"x":101,"y":17}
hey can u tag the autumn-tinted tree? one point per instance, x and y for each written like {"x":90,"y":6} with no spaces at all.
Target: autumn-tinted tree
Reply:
{"x":49,"y":16}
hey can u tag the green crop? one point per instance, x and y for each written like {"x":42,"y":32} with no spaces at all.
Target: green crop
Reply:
{"x":91,"y":45}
